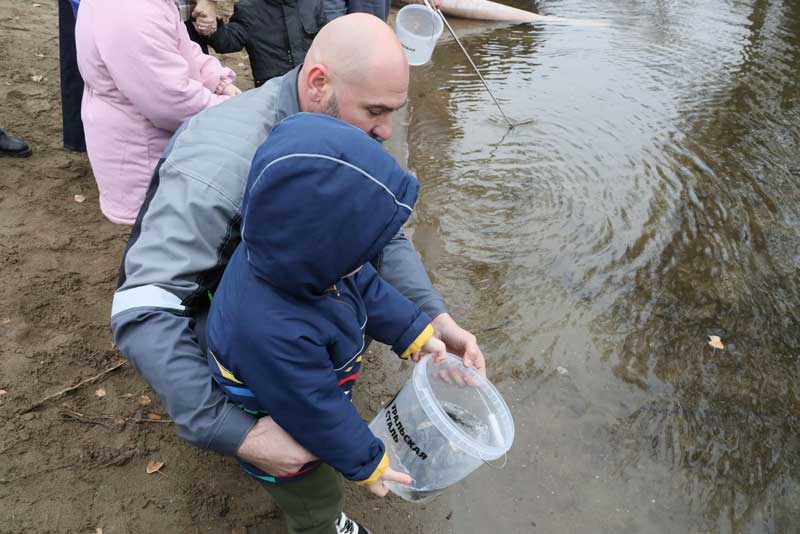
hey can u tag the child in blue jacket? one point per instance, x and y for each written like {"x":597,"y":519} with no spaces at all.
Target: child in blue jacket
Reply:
{"x":288,"y":321}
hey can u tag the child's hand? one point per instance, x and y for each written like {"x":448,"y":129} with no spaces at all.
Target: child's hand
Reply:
{"x":205,"y":18}
{"x":433,"y":346}
{"x":390,"y":475}
{"x":231,"y":90}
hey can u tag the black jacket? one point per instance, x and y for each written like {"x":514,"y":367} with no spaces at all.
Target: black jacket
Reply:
{"x":276,"y":34}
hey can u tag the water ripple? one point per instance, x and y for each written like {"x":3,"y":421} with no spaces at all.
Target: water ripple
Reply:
{"x":654,"y":200}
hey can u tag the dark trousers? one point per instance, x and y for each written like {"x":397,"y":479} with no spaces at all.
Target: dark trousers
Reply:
{"x":312,"y":504}
{"x":71,"y":81}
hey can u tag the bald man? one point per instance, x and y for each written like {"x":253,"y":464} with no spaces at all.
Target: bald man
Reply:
{"x":189,"y":226}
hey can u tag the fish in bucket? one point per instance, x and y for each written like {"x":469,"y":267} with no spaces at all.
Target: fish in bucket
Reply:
{"x":444,"y":423}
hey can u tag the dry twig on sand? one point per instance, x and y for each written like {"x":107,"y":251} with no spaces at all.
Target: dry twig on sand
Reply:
{"x":79,"y":385}
{"x":102,"y":420}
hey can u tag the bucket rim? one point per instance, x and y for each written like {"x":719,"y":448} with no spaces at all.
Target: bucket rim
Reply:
{"x":434,"y":410}
{"x":410,"y":8}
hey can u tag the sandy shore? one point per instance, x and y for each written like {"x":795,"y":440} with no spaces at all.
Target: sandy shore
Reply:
{"x":79,"y":463}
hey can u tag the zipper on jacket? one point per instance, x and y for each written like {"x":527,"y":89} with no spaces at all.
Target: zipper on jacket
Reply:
{"x":335,"y":290}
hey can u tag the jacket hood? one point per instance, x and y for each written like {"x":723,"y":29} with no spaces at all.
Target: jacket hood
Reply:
{"x":322,"y":199}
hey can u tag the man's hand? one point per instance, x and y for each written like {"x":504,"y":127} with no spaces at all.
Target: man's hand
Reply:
{"x":231,"y":90}
{"x":268,"y":447}
{"x":459,"y":342}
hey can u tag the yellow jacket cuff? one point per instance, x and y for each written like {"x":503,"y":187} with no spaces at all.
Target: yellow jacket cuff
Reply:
{"x":373,"y":478}
{"x":417,"y":344}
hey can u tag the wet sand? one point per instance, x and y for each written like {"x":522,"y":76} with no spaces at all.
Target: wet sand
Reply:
{"x":79,"y":462}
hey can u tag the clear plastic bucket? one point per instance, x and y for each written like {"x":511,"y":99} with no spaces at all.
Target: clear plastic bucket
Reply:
{"x":418,"y":27}
{"x":443,"y":424}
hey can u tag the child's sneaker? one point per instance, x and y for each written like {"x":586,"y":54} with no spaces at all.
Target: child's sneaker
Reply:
{"x":345,"y":525}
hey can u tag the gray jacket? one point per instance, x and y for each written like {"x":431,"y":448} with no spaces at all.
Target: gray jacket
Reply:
{"x":185,"y":233}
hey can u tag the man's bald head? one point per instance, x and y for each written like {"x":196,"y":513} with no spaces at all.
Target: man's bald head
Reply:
{"x":355,"y":45}
{"x":355,"y":70}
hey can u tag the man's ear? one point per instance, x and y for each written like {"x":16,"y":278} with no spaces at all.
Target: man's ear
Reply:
{"x":316,"y":81}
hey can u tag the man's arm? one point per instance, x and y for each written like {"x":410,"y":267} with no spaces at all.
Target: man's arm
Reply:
{"x":401,"y":266}
{"x":164,"y":279}
{"x":163,"y":348}
{"x":392,"y":319}
{"x":175,"y":254}
{"x":203,"y":415}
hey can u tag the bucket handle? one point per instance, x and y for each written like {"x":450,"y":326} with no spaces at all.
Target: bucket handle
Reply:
{"x":495,"y":467}
{"x":432,"y":37}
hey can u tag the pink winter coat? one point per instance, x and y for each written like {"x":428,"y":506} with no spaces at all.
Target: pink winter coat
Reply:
{"x":143,"y":77}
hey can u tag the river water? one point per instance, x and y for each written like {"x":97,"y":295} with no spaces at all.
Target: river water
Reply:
{"x":654,"y":201}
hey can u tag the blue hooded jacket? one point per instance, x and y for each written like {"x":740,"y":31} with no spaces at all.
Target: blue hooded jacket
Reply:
{"x":287,"y":323}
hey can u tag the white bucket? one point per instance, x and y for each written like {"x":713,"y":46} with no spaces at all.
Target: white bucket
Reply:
{"x":418,"y":28}
{"x":443,"y":424}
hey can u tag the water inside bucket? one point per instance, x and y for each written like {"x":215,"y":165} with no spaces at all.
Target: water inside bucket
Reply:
{"x":442,"y":425}
{"x":420,"y":23}
{"x":418,"y":28}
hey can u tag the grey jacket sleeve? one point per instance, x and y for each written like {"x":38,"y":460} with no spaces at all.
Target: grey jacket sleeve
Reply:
{"x":182,"y":239}
{"x":164,"y":349}
{"x":401,"y":266}
{"x":174,"y":257}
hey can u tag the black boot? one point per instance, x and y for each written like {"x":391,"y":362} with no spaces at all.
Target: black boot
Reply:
{"x":11,"y":146}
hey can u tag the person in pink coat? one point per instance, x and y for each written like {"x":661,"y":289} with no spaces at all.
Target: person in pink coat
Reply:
{"x":143,"y":77}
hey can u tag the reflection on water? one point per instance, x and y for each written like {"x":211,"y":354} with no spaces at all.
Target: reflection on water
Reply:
{"x":654,"y":201}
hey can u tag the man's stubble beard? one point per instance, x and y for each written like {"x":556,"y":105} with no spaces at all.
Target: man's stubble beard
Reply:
{"x":331,"y":107}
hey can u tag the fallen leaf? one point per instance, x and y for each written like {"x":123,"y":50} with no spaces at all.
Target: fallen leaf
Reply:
{"x":80,"y":198}
{"x":153,"y":467}
{"x":154,"y":417}
{"x":39,"y":54}
{"x":40,"y":5}
{"x":98,"y":530}
{"x":144,"y":400}
{"x":100,"y":393}
{"x":561,"y":370}
{"x":3,"y":392}
{"x":715,"y":342}
{"x":37,"y":78}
